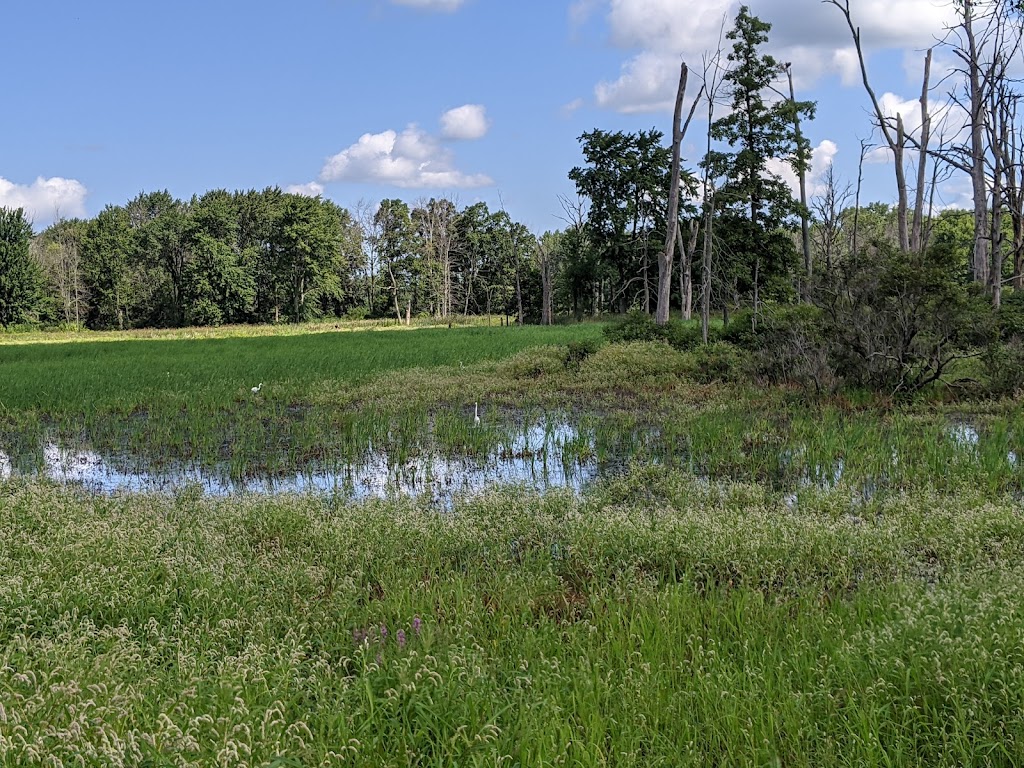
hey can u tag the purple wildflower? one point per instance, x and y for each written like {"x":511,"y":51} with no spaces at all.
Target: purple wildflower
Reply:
{"x":383,"y":632}
{"x":400,"y":636}
{"x":358,"y":636}
{"x":417,"y":624}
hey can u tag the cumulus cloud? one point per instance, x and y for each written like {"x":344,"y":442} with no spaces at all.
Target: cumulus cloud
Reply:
{"x":412,"y":159}
{"x":822,"y":157}
{"x":432,"y":5}
{"x":662,"y":31}
{"x":45,"y":199}
{"x":312,"y":189}
{"x":468,"y":122}
{"x":647,"y":84}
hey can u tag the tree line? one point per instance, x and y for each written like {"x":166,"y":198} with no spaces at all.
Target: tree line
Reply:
{"x":267,"y":256}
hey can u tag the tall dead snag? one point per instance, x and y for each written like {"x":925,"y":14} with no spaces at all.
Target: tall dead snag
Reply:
{"x":671,"y":236}
{"x":917,"y":228}
{"x":895,"y":138}
{"x":714,"y":73}
{"x":546,"y":262}
{"x":802,"y":161}
{"x":687,"y":250}
{"x":1013,"y":165}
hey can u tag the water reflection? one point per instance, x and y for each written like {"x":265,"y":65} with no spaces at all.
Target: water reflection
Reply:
{"x":533,"y":457}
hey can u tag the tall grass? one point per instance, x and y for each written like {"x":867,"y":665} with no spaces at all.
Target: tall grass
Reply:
{"x":656,"y":621}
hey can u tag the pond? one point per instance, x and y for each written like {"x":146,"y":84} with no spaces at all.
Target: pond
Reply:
{"x":541,"y":453}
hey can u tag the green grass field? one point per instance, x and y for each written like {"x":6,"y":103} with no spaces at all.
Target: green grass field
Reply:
{"x":771,"y":582}
{"x":656,"y":622}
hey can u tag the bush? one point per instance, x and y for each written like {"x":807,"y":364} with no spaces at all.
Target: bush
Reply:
{"x":1011,"y":316}
{"x":578,"y":351}
{"x":635,"y":326}
{"x":717,"y":361}
{"x":533,"y":363}
{"x":1004,"y":364}
{"x":685,"y":336}
{"x":896,"y":323}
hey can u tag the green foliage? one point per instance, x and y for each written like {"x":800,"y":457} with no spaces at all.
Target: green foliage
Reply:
{"x":686,"y":335}
{"x":1011,"y":316}
{"x":896,"y":322}
{"x":1004,"y":367}
{"x":20,"y":279}
{"x":578,"y":351}
{"x":636,"y":325}
{"x":718,"y":361}
{"x":626,"y":183}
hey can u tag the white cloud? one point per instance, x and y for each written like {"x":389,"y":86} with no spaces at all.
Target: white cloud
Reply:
{"x":45,"y":199}
{"x":822,"y":157}
{"x":647,"y":84}
{"x":411,"y":159}
{"x":432,"y":5}
{"x":660,"y":32}
{"x":468,"y":122}
{"x":312,"y":189}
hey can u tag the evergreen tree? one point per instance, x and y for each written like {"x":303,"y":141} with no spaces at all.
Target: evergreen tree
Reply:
{"x":757,"y":203}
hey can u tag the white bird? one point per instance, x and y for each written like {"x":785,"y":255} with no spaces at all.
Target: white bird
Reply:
{"x":476,"y":415}
{"x":256,"y":390}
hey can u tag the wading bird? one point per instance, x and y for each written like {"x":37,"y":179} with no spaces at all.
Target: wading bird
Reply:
{"x":476,"y":415}
{"x":256,"y":390}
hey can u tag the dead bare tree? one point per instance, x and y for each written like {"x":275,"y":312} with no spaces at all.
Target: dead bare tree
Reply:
{"x":864,"y":144}
{"x":801,"y":163}
{"x":1013,"y":187}
{"x":713,"y":79}
{"x":672,"y":235}
{"x":828,"y":208}
{"x":895,"y":136}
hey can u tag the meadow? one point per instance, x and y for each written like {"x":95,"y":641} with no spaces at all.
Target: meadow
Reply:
{"x":757,"y":579}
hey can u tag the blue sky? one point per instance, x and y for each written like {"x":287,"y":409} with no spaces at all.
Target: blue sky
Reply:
{"x":365,"y":99}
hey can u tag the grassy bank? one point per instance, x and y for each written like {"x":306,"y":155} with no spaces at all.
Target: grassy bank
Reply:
{"x":656,"y":621}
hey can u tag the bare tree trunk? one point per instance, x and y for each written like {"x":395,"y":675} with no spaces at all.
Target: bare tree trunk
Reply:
{"x":686,"y":268}
{"x":901,"y":185}
{"x":856,"y":199}
{"x":895,"y":143}
{"x":978,"y":181}
{"x":805,"y":227}
{"x":705,"y":276}
{"x":917,"y":228}
{"x":672,"y":216}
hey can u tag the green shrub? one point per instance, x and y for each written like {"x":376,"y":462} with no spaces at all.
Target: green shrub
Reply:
{"x":1011,"y":316}
{"x":1004,"y":366}
{"x":685,"y":336}
{"x":717,"y":361}
{"x":635,"y":326}
{"x":578,"y":351}
{"x":740,"y":330}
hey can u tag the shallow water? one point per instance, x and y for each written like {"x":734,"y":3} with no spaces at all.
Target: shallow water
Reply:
{"x":531,"y":457}
{"x":542,"y":454}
